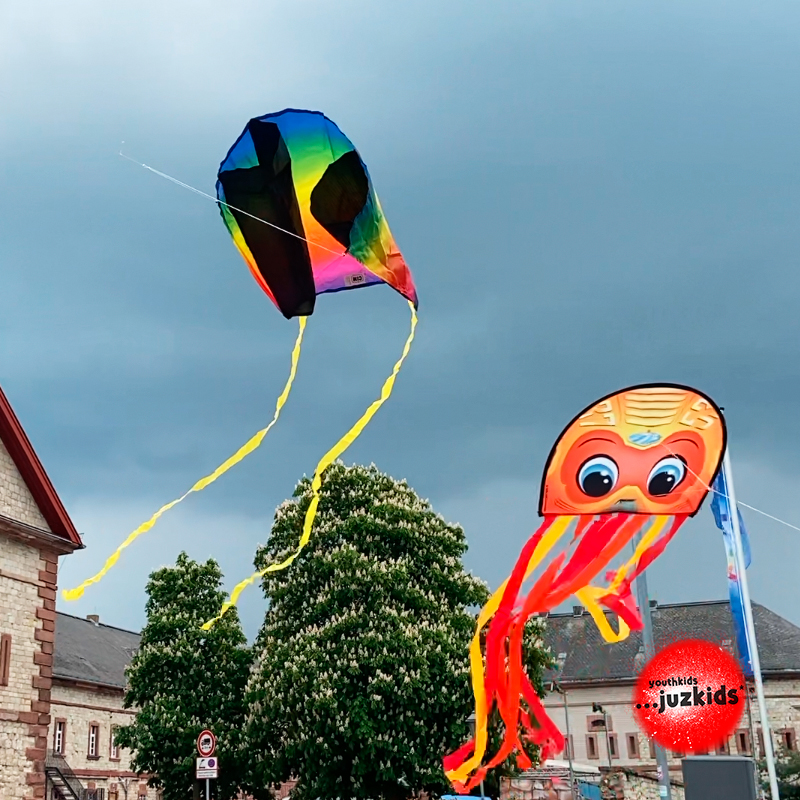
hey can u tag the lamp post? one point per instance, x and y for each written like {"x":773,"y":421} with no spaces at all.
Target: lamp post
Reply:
{"x":471,"y":723}
{"x":648,"y":640}
{"x":556,"y":687}
{"x":598,"y":709}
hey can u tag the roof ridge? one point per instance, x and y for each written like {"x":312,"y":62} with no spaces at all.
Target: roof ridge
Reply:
{"x":19,"y":447}
{"x":98,"y":624}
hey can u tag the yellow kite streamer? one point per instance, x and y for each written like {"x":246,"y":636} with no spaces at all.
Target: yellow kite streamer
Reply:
{"x":316,"y":483}
{"x":242,"y":452}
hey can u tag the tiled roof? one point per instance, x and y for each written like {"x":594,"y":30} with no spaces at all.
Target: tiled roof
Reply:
{"x":98,"y":653}
{"x":587,"y":657}
{"x":90,"y":652}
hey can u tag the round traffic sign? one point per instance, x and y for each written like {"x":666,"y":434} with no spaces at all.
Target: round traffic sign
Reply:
{"x":206,"y":744}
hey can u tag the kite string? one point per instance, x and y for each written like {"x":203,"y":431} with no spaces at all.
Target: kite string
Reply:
{"x":316,"y":483}
{"x":227,"y":205}
{"x":738,"y":502}
{"x":242,"y":452}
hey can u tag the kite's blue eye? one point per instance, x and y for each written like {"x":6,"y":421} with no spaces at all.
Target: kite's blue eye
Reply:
{"x":598,"y":476}
{"x":665,"y":476}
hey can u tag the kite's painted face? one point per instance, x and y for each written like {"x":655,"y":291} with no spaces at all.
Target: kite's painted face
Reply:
{"x":653,"y":450}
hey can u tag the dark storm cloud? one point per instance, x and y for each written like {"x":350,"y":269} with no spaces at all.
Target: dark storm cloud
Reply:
{"x":588,"y":197}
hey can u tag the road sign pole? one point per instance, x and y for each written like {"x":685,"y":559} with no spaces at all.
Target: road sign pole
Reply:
{"x":208,"y":789}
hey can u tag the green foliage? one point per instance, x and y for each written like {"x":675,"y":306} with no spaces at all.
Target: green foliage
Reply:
{"x":361,"y":683}
{"x":787,"y":767}
{"x":184,"y":679}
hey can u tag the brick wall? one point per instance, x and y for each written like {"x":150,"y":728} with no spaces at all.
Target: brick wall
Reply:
{"x":622,"y":785}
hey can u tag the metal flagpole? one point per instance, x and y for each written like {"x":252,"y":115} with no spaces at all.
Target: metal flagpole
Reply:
{"x":750,"y":626}
{"x":643,"y":598}
{"x":753,"y":738}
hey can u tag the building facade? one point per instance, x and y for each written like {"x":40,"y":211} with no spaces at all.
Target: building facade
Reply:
{"x":35,"y":531}
{"x":62,"y":679}
{"x":87,"y":706}
{"x":592,"y":672}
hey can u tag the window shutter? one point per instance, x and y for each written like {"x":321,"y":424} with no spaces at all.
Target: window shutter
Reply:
{"x":5,"y":658}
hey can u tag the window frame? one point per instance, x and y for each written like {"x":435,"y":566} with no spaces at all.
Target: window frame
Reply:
{"x":596,"y":722}
{"x":60,"y":751}
{"x":613,"y":745}
{"x":5,"y":659}
{"x":635,"y":751}
{"x":113,"y":747}
{"x":789,"y":739}
{"x":94,"y":728}
{"x":743,"y":734}
{"x":591,"y":739}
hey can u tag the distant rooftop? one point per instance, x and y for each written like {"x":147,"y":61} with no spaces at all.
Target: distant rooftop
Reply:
{"x":587,"y":657}
{"x":88,"y":651}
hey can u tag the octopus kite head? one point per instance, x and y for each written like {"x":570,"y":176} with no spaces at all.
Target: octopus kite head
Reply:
{"x":652,"y":449}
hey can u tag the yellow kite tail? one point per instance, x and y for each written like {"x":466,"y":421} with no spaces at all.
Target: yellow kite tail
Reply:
{"x":244,"y":450}
{"x":316,"y":483}
{"x":590,"y":595}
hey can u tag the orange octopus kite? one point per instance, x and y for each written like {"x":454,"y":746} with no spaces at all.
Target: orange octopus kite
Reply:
{"x":642,"y":459}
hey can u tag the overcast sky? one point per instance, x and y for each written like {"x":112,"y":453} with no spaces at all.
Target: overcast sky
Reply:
{"x":589,"y":195}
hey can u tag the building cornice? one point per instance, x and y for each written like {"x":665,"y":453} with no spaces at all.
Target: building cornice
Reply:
{"x":86,"y":685}
{"x":36,"y":537}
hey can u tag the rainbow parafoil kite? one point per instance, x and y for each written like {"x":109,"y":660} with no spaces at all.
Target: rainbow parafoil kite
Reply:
{"x":640,"y":460}
{"x":300,"y":206}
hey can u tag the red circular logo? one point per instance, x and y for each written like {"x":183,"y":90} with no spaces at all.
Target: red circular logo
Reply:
{"x":690,"y":696}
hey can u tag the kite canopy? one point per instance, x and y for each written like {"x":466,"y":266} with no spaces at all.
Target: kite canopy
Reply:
{"x":325,"y":230}
{"x":650,"y":449}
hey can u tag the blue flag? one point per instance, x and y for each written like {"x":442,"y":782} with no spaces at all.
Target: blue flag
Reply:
{"x":721,"y":508}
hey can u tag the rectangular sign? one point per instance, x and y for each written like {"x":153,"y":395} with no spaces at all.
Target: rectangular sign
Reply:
{"x":207,"y":768}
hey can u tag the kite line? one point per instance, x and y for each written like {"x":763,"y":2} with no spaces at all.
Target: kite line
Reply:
{"x":227,"y":205}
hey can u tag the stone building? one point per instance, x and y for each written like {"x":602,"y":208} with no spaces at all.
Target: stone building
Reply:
{"x":593,"y":672}
{"x":86,"y":707}
{"x":35,"y":531}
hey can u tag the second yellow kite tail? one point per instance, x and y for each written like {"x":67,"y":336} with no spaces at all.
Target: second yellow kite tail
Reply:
{"x":242,"y":452}
{"x":316,"y":483}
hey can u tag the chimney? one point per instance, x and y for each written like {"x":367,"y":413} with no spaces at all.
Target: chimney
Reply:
{"x":577,"y":611}
{"x":95,"y":618}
